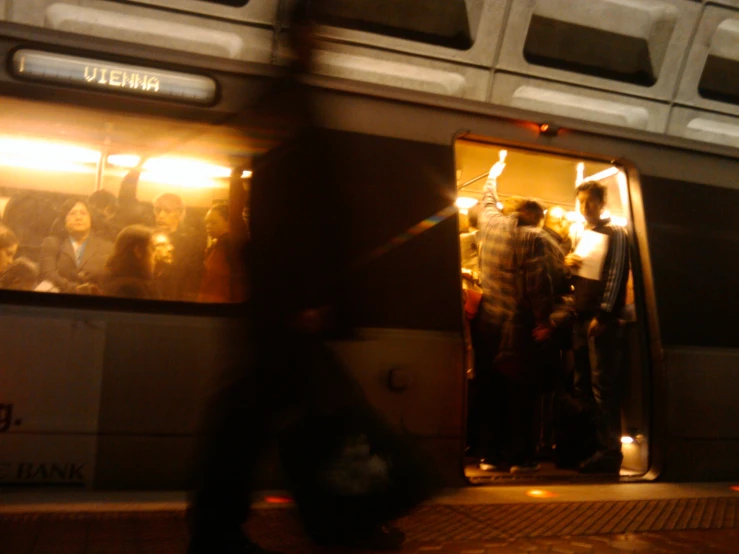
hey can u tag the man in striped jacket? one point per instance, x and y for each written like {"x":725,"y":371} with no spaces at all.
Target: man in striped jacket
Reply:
{"x":517,"y":296}
{"x":597,"y":335}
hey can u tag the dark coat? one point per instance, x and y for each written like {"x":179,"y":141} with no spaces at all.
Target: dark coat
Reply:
{"x":187,"y":264}
{"x":129,"y":287}
{"x":57,"y":262}
{"x":222,"y":281}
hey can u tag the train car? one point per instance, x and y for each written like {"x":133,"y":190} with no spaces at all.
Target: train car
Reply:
{"x":106,"y":393}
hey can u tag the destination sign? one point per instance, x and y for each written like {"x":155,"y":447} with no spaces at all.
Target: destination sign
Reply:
{"x":113,"y":77}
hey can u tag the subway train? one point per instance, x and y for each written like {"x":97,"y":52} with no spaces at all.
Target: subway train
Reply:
{"x":106,"y":393}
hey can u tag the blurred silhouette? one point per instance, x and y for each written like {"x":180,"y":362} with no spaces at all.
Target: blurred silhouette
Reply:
{"x":292,"y":389}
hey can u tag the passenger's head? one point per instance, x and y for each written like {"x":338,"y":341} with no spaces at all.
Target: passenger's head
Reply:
{"x":21,"y":274}
{"x":77,"y":218}
{"x":169,"y":210}
{"x":216,"y":221}
{"x":473,"y":215}
{"x":163,"y":249}
{"x":510,"y":204}
{"x":528,"y":211}
{"x":592,"y":197}
{"x":556,"y":220}
{"x":8,"y":247}
{"x":133,"y":253}
{"x":103,"y":202}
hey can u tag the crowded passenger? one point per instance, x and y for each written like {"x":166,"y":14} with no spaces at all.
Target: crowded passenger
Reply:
{"x":130,"y":210}
{"x":468,"y":238}
{"x":30,"y":215}
{"x":222,"y":281}
{"x":169,"y":211}
{"x":21,"y":274}
{"x":556,"y":231}
{"x":601,"y":268}
{"x":129,"y":272}
{"x":73,"y":257}
{"x":558,"y":244}
{"x":471,"y":297}
{"x":558,"y":226}
{"x":8,"y":248}
{"x":516,"y":305}
{"x":163,"y":259}
{"x":104,"y":207}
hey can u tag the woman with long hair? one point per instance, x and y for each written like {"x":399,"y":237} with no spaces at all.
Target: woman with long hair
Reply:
{"x":129,"y":272}
{"x":73,"y":256}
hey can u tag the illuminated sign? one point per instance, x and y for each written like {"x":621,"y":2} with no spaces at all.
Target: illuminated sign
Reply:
{"x":113,"y":77}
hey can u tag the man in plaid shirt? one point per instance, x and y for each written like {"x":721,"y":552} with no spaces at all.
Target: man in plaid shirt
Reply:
{"x":517,"y":290}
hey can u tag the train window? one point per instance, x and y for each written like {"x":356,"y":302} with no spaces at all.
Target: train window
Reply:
{"x":540,"y":191}
{"x":694,"y":246}
{"x":441,"y":22}
{"x":95,"y":203}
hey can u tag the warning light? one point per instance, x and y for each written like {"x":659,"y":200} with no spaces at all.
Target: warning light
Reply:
{"x":539,"y":493}
{"x":548,"y":130}
{"x":734,"y":488}
{"x":278,"y":500}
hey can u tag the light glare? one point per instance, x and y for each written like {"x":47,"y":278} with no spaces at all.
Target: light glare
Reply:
{"x":465,"y":202}
{"x":540,"y":493}
{"x":177,"y":171}
{"x":47,"y":156}
{"x":124,"y":160}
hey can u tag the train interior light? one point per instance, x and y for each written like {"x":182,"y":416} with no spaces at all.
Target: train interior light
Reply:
{"x":46,"y":155}
{"x":541,"y":493}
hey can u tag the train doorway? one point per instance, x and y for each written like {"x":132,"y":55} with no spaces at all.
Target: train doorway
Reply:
{"x":554,"y":415}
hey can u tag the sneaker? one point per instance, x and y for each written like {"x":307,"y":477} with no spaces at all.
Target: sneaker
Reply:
{"x":524,"y":468}
{"x":603,"y":461}
{"x":229,"y":544}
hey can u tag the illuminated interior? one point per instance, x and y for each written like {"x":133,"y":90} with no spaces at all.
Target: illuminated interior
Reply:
{"x":548,"y":178}
{"x":551,"y":180}
{"x":50,"y":154}
{"x":46,"y":147}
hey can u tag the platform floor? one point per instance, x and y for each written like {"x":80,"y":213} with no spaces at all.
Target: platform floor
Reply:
{"x":564,"y":518}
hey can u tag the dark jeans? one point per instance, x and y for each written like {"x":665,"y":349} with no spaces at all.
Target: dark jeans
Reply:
{"x":504,"y":410}
{"x":597,"y":379}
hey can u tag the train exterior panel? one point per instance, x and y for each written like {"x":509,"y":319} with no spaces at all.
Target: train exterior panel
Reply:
{"x":107,"y":394}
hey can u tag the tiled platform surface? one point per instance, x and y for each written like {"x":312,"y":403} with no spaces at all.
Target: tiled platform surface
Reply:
{"x":597,"y":518}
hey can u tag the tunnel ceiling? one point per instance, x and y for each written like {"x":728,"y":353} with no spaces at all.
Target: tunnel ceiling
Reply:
{"x":663,"y":66}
